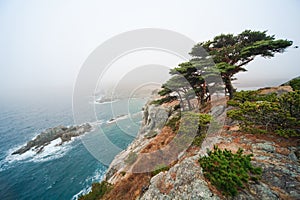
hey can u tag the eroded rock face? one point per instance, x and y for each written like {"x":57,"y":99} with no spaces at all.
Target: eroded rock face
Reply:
{"x":183,"y":181}
{"x":153,"y":120}
{"x":44,"y":138}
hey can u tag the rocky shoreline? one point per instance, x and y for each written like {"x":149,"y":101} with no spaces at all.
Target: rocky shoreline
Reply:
{"x":47,"y":136}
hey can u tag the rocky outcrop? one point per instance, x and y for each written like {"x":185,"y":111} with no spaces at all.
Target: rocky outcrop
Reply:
{"x":277,"y":156}
{"x":183,"y":181}
{"x":62,"y":132}
{"x":154,"y":117}
{"x":153,"y":120}
{"x":278,"y":90}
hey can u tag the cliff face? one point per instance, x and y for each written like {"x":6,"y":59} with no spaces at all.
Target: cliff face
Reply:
{"x":153,"y":120}
{"x":277,"y":156}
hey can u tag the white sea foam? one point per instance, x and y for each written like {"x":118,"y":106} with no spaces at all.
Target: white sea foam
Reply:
{"x":81,"y":192}
{"x":106,"y":102}
{"x":118,"y":118}
{"x":51,"y":151}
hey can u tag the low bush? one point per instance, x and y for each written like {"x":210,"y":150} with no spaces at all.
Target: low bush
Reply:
{"x":98,"y":191}
{"x":227,"y":171}
{"x":198,"y":140}
{"x":267,"y":113}
{"x":173,"y":122}
{"x":160,"y":168}
{"x":295,"y":83}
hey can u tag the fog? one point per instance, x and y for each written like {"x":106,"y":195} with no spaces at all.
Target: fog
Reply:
{"x":45,"y":43}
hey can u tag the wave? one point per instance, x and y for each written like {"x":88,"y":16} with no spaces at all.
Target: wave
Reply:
{"x":105,"y":102}
{"x":50,"y":152}
{"x":117,"y":118}
{"x":81,"y":192}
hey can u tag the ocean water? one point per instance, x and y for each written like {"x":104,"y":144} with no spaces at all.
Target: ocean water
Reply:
{"x":59,"y":172}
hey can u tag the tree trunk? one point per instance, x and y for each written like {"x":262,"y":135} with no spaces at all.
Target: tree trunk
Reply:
{"x":229,"y":87}
{"x":181,"y":101}
{"x":189,"y":104}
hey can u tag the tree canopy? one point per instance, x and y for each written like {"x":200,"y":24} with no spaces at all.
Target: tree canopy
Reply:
{"x":232,"y":52}
{"x":215,"y":62}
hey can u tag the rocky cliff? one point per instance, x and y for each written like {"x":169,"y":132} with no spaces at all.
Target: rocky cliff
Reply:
{"x":183,"y":178}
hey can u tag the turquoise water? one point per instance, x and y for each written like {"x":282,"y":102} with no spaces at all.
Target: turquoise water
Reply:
{"x":60,"y":172}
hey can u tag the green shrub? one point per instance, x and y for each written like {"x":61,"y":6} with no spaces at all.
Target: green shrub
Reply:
{"x":193,"y":123}
{"x":172,"y":122}
{"x":290,"y":102}
{"x":267,"y":113}
{"x":229,"y":172}
{"x":164,"y":100}
{"x":198,"y":140}
{"x":286,"y":132}
{"x":160,"y":168}
{"x":98,"y":191}
{"x":295,"y":83}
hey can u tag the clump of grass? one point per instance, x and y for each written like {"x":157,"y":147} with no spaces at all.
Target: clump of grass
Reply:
{"x":173,"y":122}
{"x":160,"y":168}
{"x":227,"y":171}
{"x":98,"y":191}
{"x":198,"y":140}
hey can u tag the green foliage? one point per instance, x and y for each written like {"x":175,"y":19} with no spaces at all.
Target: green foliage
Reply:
{"x":196,"y":119}
{"x":227,"y":171}
{"x":200,"y":119}
{"x":295,"y":83}
{"x":290,"y":102}
{"x":264,"y":113}
{"x":173,"y":121}
{"x":232,"y":52}
{"x":131,"y":158}
{"x":192,"y":129}
{"x":198,"y":139}
{"x":98,"y":191}
{"x":160,"y":168}
{"x":164,"y":100}
{"x":286,"y":132}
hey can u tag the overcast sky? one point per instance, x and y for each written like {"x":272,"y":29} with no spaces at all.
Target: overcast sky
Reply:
{"x":43,"y":43}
